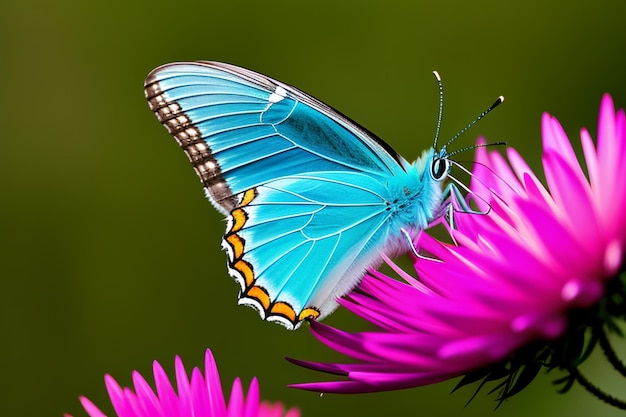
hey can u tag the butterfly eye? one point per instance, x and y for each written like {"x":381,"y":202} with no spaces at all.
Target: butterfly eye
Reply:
{"x":439,"y":168}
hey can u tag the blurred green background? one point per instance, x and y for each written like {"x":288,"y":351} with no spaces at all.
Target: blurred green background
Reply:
{"x":110,"y":253}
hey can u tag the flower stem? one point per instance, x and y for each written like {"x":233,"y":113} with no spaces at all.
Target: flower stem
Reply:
{"x":608,"y":351}
{"x":609,"y":399}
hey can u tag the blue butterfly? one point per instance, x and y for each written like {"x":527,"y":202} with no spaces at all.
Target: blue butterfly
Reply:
{"x":312,"y":199}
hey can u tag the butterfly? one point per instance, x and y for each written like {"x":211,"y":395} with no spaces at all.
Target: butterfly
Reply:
{"x":312,"y":199}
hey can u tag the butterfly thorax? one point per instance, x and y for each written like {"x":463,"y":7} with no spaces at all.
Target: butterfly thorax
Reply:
{"x":414,"y":200}
{"x":416,"y":195}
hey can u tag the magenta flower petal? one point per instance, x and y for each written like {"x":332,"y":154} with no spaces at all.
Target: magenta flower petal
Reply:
{"x":276,"y":410}
{"x":147,"y":399}
{"x":516,"y":279}
{"x":90,"y":408}
{"x":118,"y":399}
{"x":165,"y":391}
{"x":216,"y":396}
{"x":200,"y":395}
{"x":253,"y":401}
{"x":198,"y":390}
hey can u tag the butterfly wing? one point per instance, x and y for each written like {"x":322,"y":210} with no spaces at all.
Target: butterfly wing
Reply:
{"x":304,"y":187}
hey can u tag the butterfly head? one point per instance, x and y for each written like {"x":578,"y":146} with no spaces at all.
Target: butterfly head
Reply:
{"x":440,"y":165}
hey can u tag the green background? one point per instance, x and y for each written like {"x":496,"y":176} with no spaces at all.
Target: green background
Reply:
{"x":110,"y":254}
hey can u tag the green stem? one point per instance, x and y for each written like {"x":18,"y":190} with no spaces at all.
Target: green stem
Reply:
{"x":609,"y":352}
{"x":609,"y":399}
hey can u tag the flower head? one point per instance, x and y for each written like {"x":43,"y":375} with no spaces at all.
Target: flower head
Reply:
{"x":200,"y":395}
{"x":506,"y":296}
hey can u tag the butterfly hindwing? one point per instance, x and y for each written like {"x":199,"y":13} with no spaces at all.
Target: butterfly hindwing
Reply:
{"x":288,"y":239}
{"x":305,"y":189}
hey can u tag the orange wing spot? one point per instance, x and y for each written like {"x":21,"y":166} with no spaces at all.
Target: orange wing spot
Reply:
{"x":248,"y":196}
{"x":236,"y":243}
{"x":246,"y":270}
{"x":284,"y":309}
{"x":260,"y":295}
{"x":309,"y":313}
{"x":239,"y":220}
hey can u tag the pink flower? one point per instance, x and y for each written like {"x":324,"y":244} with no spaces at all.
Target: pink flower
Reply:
{"x":521,"y":288}
{"x":200,"y":395}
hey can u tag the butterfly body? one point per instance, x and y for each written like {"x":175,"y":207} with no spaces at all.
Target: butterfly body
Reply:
{"x":311,"y":198}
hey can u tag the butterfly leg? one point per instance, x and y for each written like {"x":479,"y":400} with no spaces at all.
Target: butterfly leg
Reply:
{"x":454,"y":202}
{"x":414,"y":250}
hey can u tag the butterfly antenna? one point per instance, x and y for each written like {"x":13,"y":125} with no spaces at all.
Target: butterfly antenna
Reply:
{"x":479,"y":145}
{"x":498,"y":101}
{"x":436,"y":74}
